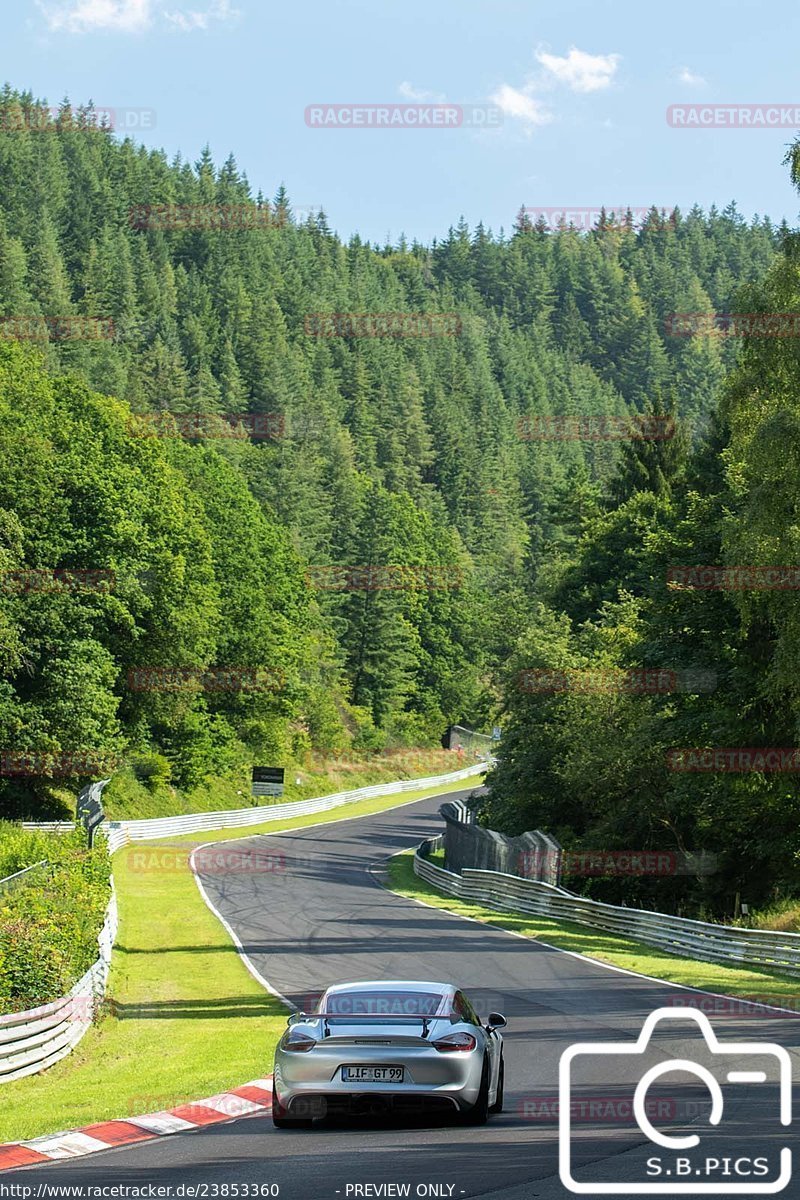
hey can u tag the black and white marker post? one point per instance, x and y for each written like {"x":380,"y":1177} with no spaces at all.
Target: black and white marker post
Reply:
{"x":89,"y":810}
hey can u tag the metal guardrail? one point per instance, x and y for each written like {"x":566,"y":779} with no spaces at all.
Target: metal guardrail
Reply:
{"x":678,"y":935}
{"x":122,"y":833}
{"x":34,"y":1040}
{"x":532,"y":855}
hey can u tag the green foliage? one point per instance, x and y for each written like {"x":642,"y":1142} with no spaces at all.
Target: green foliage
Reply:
{"x":594,"y":766}
{"x":429,"y":462}
{"x":49,"y":927}
{"x":87,"y":497}
{"x":153,"y":770}
{"x":21,"y":848}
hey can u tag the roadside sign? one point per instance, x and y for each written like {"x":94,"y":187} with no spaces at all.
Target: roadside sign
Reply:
{"x":89,"y":809}
{"x":496,"y":733}
{"x":267,"y":781}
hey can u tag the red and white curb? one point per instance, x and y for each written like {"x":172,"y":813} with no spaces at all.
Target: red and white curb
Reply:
{"x":243,"y":1101}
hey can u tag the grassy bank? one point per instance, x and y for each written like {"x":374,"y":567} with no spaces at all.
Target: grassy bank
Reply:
{"x":764,"y":986}
{"x":127,"y":798}
{"x":360,"y":808}
{"x":783,"y":917}
{"x":184,"y":1020}
{"x":20,"y":848}
{"x":51,"y":916}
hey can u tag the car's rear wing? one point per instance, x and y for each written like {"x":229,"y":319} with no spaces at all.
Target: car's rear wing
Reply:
{"x":382,"y":1018}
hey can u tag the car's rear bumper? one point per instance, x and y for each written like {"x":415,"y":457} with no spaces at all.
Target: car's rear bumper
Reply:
{"x":432,"y":1079}
{"x":328,"y":1104}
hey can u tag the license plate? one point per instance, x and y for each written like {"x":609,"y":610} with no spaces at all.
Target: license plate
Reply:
{"x":373,"y":1074}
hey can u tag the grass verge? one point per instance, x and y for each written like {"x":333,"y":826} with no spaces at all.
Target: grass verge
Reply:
{"x":185,"y":1019}
{"x":609,"y":948}
{"x":360,"y":808}
{"x":127,"y":798}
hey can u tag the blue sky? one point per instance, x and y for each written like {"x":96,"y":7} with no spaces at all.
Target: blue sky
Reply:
{"x":579,"y":90}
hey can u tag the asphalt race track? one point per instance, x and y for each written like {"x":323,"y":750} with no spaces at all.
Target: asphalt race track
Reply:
{"x":325,"y":917}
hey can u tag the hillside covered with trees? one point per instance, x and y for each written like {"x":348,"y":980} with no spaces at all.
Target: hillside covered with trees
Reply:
{"x":627,"y":765}
{"x":509,"y":547}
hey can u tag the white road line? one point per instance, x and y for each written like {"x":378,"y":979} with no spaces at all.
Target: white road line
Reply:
{"x":248,"y":962}
{"x":684,"y":987}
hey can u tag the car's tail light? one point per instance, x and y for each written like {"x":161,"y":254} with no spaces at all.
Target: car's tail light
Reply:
{"x":455,"y":1041}
{"x":299,"y":1042}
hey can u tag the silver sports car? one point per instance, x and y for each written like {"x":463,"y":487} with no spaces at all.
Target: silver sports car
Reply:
{"x":378,"y":1045}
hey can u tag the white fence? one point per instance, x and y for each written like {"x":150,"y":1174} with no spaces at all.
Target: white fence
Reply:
{"x":694,"y":939}
{"x":122,"y":833}
{"x":31,"y":1041}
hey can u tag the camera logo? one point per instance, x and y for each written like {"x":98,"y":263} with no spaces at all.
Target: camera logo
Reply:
{"x":675,"y":1171}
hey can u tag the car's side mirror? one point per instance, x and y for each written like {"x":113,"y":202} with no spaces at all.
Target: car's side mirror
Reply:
{"x":293,"y":1018}
{"x":496,"y":1021}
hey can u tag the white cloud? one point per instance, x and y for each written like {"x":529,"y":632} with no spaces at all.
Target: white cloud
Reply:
{"x":516,"y":102}
{"x":220,"y":10}
{"x":419,"y":95}
{"x":86,"y":16}
{"x":685,"y":75}
{"x":580,"y":71}
{"x":128,"y":16}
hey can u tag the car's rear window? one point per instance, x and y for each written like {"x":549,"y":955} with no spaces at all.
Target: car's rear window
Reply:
{"x":383,"y":1003}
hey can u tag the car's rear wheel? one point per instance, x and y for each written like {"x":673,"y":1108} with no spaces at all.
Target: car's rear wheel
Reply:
{"x":497,"y":1107}
{"x":479,"y":1113}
